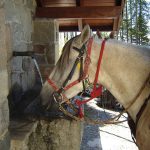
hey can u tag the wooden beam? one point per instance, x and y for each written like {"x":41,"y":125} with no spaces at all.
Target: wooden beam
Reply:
{"x":81,"y":2}
{"x":60,"y":3}
{"x":79,"y":12}
{"x":77,"y":2}
{"x":118,"y":2}
{"x":39,"y":3}
{"x":98,"y":2}
{"x":100,"y":22}
{"x":75,"y":28}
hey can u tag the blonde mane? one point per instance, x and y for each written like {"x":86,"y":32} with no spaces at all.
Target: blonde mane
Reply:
{"x":64,"y":59}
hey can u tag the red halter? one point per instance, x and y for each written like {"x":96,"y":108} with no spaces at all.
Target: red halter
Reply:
{"x":86,"y":66}
{"x":96,"y":90}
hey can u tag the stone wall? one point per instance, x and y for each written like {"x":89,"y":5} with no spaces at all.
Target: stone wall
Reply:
{"x":19,"y":17}
{"x":60,"y":134}
{"x":4,"y":80}
{"x":45,"y":43}
{"x":15,"y":35}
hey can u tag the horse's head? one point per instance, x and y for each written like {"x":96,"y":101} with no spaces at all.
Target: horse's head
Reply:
{"x":64,"y":67}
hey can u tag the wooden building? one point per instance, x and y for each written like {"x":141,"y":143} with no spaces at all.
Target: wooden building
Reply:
{"x":72,"y":15}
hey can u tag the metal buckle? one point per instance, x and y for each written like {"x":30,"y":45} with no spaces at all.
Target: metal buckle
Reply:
{"x":57,"y":97}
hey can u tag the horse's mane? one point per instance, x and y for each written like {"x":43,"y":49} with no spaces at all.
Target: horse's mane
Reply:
{"x":64,"y":59}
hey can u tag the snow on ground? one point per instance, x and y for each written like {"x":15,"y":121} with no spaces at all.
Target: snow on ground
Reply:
{"x":108,"y":137}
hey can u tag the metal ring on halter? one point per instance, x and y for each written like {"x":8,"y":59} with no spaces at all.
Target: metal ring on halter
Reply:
{"x":79,"y":57}
{"x":55,"y":99}
{"x":88,"y":60}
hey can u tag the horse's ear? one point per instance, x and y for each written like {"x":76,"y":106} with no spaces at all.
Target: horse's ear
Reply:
{"x":85,"y":34}
{"x":111,"y":36}
{"x":99,"y":34}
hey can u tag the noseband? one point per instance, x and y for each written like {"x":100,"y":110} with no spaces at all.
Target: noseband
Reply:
{"x":59,"y":95}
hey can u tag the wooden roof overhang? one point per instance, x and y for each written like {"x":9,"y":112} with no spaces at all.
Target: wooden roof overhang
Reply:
{"x":72,"y":15}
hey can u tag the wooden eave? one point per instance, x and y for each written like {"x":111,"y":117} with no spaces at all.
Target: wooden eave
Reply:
{"x":72,"y":15}
{"x":107,"y":12}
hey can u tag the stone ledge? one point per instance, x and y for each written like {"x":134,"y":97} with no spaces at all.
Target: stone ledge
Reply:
{"x":19,"y":133}
{"x":43,"y":135}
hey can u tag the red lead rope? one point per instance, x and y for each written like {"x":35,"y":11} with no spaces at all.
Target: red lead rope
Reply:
{"x":97,"y":91}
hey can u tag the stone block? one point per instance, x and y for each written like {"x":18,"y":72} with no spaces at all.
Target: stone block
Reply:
{"x":5,"y":47}
{"x":44,"y":32}
{"x":48,"y":52}
{"x":39,"y":49}
{"x":17,"y":64}
{"x":19,"y":17}
{"x":23,"y":72}
{"x":20,"y":132}
{"x":25,"y":3}
{"x":58,"y":134}
{"x":51,"y":53}
{"x":31,"y":4}
{"x":4,"y":84}
{"x":3,"y":39}
{"x":5,"y":141}
{"x":8,"y":43}
{"x":4,"y":115}
{"x":2,"y":3}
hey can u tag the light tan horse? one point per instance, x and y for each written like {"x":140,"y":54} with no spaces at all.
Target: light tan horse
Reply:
{"x":124,"y":71}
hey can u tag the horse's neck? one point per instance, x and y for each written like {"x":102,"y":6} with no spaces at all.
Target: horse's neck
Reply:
{"x":123,"y":72}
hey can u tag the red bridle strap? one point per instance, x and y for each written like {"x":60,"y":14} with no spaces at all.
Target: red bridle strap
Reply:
{"x":88,"y":59}
{"x":54,"y":86}
{"x":99,"y":63}
{"x":97,"y":91}
{"x":86,"y":65}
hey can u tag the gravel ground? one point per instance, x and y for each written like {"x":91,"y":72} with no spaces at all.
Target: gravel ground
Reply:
{"x":108,"y":137}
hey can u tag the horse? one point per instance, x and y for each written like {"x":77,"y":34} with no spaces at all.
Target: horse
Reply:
{"x":124,"y":71}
